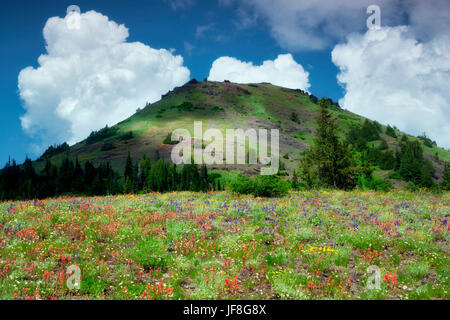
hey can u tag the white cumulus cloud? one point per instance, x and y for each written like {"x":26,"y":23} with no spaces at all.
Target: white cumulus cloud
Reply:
{"x":283,"y":71}
{"x":316,"y":25}
{"x":299,"y":25}
{"x":90,"y":77}
{"x":394,"y":78}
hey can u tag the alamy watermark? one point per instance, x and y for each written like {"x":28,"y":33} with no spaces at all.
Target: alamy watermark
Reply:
{"x":73,"y":17}
{"x":73,"y":282}
{"x":374,"y":20}
{"x":235,"y":143}
{"x":374,"y":279}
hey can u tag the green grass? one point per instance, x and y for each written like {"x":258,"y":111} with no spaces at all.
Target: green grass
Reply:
{"x":309,"y":139}
{"x":442,"y":153}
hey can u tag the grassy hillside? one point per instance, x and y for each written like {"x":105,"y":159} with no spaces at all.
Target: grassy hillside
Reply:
{"x":223,"y":105}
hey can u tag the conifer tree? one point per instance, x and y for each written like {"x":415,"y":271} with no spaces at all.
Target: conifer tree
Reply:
{"x":78,"y":177}
{"x":89,"y":177}
{"x":445,"y":184}
{"x":328,"y":163}
{"x":159,"y":174}
{"x":204,"y":183}
{"x":128,"y":173}
{"x":295,"y":180}
{"x":66,"y":174}
{"x":175,"y":178}
{"x":28,"y":180}
{"x":391,"y":132}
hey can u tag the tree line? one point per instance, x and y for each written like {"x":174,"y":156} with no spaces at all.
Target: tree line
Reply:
{"x":19,"y":182}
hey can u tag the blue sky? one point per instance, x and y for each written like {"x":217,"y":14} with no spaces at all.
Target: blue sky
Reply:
{"x":203,"y":31}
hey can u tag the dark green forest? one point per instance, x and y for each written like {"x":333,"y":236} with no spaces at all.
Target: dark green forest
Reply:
{"x":19,"y":182}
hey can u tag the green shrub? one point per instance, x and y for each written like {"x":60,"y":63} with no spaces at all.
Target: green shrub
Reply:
{"x":100,"y":135}
{"x":373,"y":182}
{"x":411,"y":186}
{"x":294,"y":117}
{"x":168,"y":139}
{"x":383,"y":145}
{"x":126,"y":136}
{"x":384,"y":159}
{"x":395,"y":175}
{"x":242,"y":185}
{"x":391,"y":132}
{"x":218,"y":109}
{"x":54,"y":150}
{"x":107,"y":146}
{"x":186,"y":106}
{"x":426,"y":141}
{"x":260,"y":186}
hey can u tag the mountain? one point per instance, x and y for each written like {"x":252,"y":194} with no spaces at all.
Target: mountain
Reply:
{"x":226,"y":105}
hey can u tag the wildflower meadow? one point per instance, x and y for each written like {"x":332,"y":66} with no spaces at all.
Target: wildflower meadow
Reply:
{"x":218,"y":245}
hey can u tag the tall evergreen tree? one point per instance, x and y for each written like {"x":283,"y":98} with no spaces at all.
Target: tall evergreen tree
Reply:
{"x":28,"y":180}
{"x":328,"y":163}
{"x":445,"y":184}
{"x":204,"y":183}
{"x":145,"y":166}
{"x":66,"y":172}
{"x":77,"y":177}
{"x":175,"y":178}
{"x":128,"y":173}
{"x":413,"y":166}
{"x":295,"y":180}
{"x":159,"y":176}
